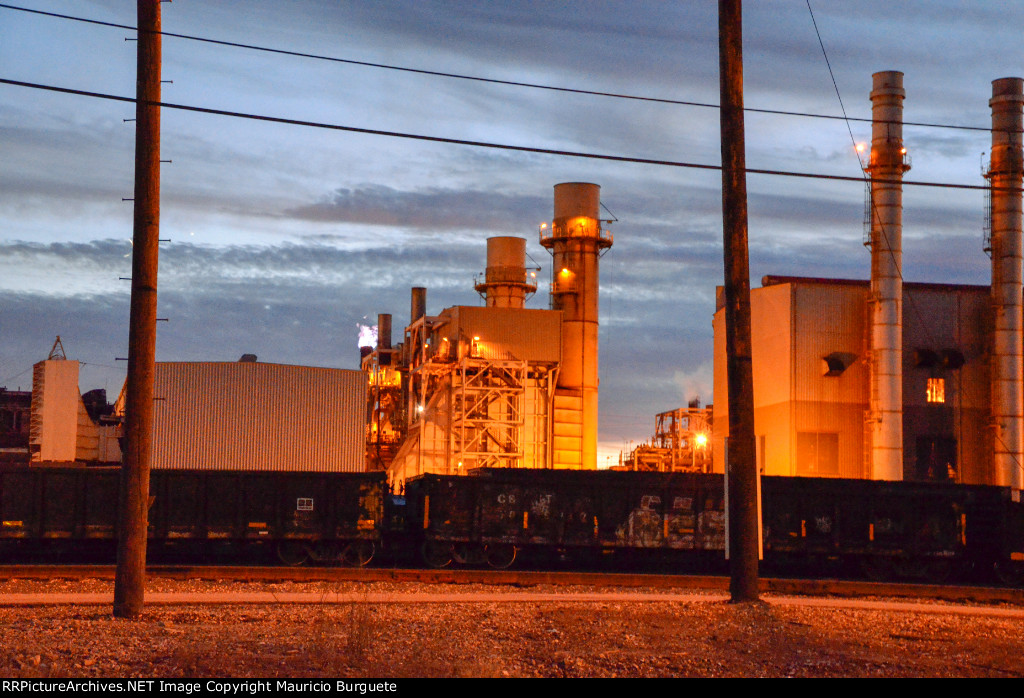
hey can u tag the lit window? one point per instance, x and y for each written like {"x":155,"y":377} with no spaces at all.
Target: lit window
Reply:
{"x":936,"y":390}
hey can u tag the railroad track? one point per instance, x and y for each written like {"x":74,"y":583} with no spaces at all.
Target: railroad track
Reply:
{"x":769,"y":585}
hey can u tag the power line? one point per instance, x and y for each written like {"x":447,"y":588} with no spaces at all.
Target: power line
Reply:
{"x":475,"y":78}
{"x":497,"y":146}
{"x":875,"y":215}
{"x":881,"y":227}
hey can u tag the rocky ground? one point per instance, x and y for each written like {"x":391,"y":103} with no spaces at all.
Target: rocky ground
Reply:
{"x":474,"y":639}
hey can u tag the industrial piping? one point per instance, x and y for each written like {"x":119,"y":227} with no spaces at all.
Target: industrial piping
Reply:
{"x":576,"y":242}
{"x":1006,"y":175}
{"x":887,"y":164}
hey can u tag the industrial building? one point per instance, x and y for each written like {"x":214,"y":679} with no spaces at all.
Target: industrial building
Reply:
{"x":681,"y":443}
{"x":61,"y":428}
{"x":247,"y":415}
{"x":242,"y":415}
{"x":499,"y":385}
{"x":888,"y":380}
{"x":15,"y":415}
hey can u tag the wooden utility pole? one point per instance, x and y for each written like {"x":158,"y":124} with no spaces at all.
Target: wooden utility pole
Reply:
{"x":741,"y":462}
{"x":130,"y":578}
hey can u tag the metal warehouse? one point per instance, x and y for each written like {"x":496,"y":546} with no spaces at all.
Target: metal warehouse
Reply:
{"x":246,"y":415}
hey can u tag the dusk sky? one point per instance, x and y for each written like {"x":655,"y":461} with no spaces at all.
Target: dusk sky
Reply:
{"x":284,"y":239}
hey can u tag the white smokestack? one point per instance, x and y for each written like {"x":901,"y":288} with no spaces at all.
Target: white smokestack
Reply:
{"x":887,"y":165}
{"x":1005,"y":172}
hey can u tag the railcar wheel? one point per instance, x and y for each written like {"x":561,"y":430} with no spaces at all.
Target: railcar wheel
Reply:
{"x":436,"y":554}
{"x":358,"y":553}
{"x":292,"y":553}
{"x":1010,"y":572}
{"x":499,"y":556}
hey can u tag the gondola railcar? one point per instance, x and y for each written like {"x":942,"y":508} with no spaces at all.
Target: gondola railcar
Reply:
{"x":330,"y":517}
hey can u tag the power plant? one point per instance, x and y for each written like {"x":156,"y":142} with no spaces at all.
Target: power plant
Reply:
{"x":876,"y":379}
{"x":889,"y":380}
{"x":499,"y":385}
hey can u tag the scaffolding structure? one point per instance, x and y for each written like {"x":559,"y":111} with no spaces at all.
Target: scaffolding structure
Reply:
{"x":681,"y":443}
{"x":470,"y":401}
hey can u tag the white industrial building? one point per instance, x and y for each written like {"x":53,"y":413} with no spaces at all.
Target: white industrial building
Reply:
{"x":60,"y":428}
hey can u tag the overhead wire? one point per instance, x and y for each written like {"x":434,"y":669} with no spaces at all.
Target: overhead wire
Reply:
{"x":476,"y":78}
{"x":488,"y":144}
{"x":875,"y":215}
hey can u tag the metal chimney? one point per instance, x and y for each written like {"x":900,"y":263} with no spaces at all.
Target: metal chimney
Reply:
{"x":886,"y":167}
{"x":505,"y":282}
{"x":576,"y":242}
{"x":1005,"y":174}
{"x":383,"y":331}
{"x":418,"y":304}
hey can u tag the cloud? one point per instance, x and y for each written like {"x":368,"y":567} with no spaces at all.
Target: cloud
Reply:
{"x":433,"y":209}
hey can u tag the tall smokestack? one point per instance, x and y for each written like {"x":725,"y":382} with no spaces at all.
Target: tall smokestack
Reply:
{"x":418,"y":304}
{"x":887,"y":165}
{"x":505,"y":282}
{"x":576,"y":242}
{"x":1005,"y":172}
{"x":383,"y":331}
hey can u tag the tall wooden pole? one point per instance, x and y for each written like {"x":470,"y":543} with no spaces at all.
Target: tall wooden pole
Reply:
{"x":130,"y":578}
{"x":741,"y":465}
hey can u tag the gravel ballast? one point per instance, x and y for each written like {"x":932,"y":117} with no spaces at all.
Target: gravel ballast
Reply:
{"x":382,"y":631}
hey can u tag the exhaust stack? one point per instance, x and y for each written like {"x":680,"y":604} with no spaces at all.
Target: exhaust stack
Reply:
{"x":383,"y":331}
{"x":1006,"y":172}
{"x":576,"y":242}
{"x":505,"y":282}
{"x":417,"y":304}
{"x":886,"y":167}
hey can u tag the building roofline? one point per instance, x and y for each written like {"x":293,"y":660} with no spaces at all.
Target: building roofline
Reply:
{"x":771,"y":280}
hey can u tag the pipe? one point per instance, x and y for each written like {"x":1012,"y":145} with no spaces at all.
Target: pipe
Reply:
{"x":888,"y":162}
{"x":1005,"y":172}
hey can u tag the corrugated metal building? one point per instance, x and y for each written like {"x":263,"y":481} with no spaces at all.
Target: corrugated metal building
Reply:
{"x":811,"y":379}
{"x":258,"y":416}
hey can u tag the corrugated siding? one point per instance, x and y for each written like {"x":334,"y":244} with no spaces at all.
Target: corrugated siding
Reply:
{"x":256,"y":416}
{"x":830,"y":319}
{"x":771,"y":334}
{"x":526,"y":334}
